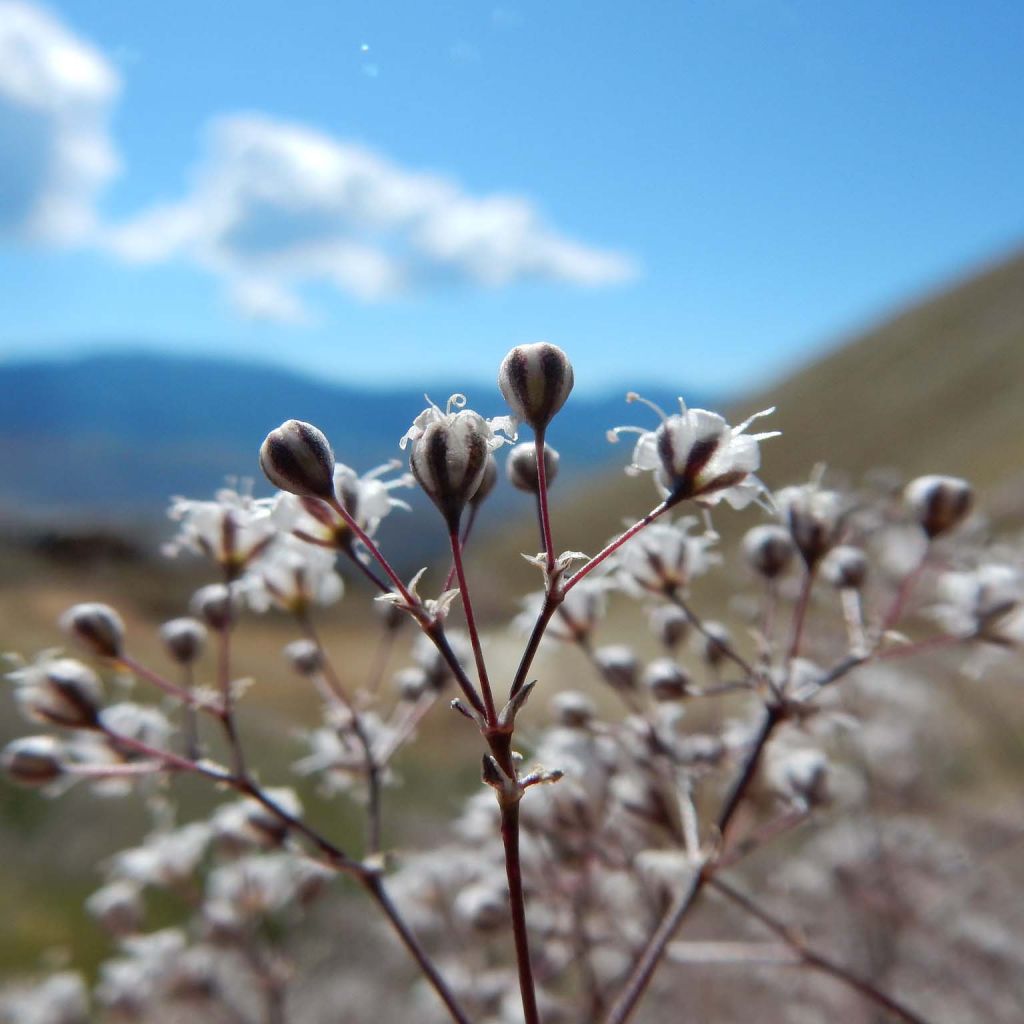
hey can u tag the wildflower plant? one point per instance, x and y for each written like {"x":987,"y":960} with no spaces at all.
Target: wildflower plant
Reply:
{"x":564,"y":885}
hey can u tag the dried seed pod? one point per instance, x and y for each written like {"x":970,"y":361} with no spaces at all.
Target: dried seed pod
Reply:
{"x":521,"y":467}
{"x":939,"y":503}
{"x":535,"y":381}
{"x":297,"y":457}
{"x":97,"y":627}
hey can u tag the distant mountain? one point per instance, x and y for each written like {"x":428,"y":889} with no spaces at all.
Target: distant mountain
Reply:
{"x":115,"y":435}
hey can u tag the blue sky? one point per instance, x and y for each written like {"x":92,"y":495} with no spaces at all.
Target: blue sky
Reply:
{"x":701,"y":192}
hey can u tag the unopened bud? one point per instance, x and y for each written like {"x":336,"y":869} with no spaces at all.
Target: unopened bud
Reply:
{"x":297,"y":457}
{"x":618,"y":666}
{"x":33,"y":760}
{"x":573,"y":709}
{"x":117,"y":907}
{"x":939,"y":502}
{"x":215,"y":604}
{"x":449,"y":460}
{"x":64,"y":692}
{"x":535,"y":381}
{"x":666,"y":680}
{"x":814,"y":518}
{"x":97,"y":627}
{"x":305,"y":657}
{"x":184,"y":639}
{"x":670,"y":624}
{"x":769,"y":550}
{"x":845,"y":567}
{"x":717,"y":641}
{"x":412,"y":683}
{"x":522,"y":467}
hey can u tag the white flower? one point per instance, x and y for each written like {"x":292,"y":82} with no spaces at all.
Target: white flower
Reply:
{"x":367,"y":499}
{"x":813,"y":516}
{"x":450,"y":453}
{"x":292,"y":575}
{"x":231,"y":530}
{"x":696,"y":454}
{"x":663,"y":558}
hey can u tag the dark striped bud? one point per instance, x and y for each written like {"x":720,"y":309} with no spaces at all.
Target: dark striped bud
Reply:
{"x":769,"y":550}
{"x":573,"y":710}
{"x":669,"y":624}
{"x":939,"y":502}
{"x":184,"y":639}
{"x":845,"y":567}
{"x":305,"y":657}
{"x":666,"y":680}
{"x":536,"y":380}
{"x":814,"y":518}
{"x":617,"y":665}
{"x":216,"y":605}
{"x":296,"y":457}
{"x":97,"y":627}
{"x":521,"y":467}
{"x":33,"y":760}
{"x":449,"y":460}
{"x":63,"y":692}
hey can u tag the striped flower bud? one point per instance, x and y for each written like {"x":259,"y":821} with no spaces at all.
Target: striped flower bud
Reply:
{"x":216,"y":605}
{"x":297,"y":457}
{"x":184,"y":639}
{"x":536,"y":380}
{"x":487,"y":484}
{"x":939,"y":502}
{"x":97,"y":627}
{"x":769,"y":550}
{"x":521,"y":467}
{"x":33,"y":760}
{"x":61,"y":691}
{"x":669,"y":624}
{"x":666,"y":680}
{"x":618,"y":666}
{"x":573,"y":710}
{"x":814,"y":518}
{"x":304,"y":656}
{"x":845,"y":567}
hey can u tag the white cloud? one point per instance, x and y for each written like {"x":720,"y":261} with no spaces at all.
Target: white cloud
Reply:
{"x":56,"y":93}
{"x":277,"y":205}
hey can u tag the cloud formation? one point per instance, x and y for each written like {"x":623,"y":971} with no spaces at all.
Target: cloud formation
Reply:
{"x":56,"y":94}
{"x":276,"y":205}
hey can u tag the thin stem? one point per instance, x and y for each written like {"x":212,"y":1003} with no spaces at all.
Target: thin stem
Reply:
{"x":773,"y":715}
{"x":800,"y":615}
{"x":640,"y":977}
{"x":551,"y":602}
{"x":466,"y":530}
{"x":190,"y":724}
{"x":517,"y":900}
{"x":227,"y":712}
{"x":474,"y":636}
{"x":724,"y":645}
{"x":375,"y":887}
{"x":366,"y":570}
{"x":814,"y":959}
{"x":542,"y":502}
{"x":899,"y":603}
{"x":613,"y":546}
{"x":373,"y":781}
{"x":126,"y":661}
{"x":364,"y":539}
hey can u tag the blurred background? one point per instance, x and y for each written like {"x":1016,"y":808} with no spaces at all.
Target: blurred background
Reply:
{"x":214,"y":217}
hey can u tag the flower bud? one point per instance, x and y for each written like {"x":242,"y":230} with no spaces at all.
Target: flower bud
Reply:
{"x":63,"y":692}
{"x":670,"y":624}
{"x":939,"y":503}
{"x":814,"y":519}
{"x":769,"y":550}
{"x":573,"y":709}
{"x":297,"y":457}
{"x":97,"y":627}
{"x":117,"y":907}
{"x":304,"y":656}
{"x":184,"y":639}
{"x":521,"y":467}
{"x":666,"y":680}
{"x":216,"y":605}
{"x":617,"y":665}
{"x":487,"y":484}
{"x":33,"y":760}
{"x":717,"y":641}
{"x":412,"y":683}
{"x":845,"y":567}
{"x":535,"y":381}
{"x":449,"y":460}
